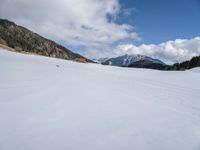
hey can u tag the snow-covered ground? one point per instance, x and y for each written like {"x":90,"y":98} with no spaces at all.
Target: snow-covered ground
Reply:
{"x":77,"y":106}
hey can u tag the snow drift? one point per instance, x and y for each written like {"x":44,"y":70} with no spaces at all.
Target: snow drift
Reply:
{"x":48,"y":104}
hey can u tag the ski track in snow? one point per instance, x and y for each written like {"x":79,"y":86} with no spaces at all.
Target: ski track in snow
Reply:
{"x":93,"y":107}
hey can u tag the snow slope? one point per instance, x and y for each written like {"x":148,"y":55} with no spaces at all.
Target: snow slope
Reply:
{"x":77,"y":106}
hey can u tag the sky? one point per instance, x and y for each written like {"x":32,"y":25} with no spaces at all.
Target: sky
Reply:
{"x":162,"y":20}
{"x":164,"y":29}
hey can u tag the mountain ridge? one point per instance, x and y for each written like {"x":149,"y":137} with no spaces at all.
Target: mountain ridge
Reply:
{"x":126,"y":60}
{"x":189,"y":64}
{"x":24,"y":40}
{"x":142,"y":61}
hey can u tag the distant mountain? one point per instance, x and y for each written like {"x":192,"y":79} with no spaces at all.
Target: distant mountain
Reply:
{"x":131,"y":61}
{"x":24,"y":40}
{"x":142,"y":61}
{"x":100,"y":60}
{"x":148,"y":64}
{"x":192,"y":63}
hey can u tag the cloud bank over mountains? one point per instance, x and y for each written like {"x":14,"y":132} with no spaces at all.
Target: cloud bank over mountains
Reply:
{"x":91,"y":24}
{"x":169,"y":52}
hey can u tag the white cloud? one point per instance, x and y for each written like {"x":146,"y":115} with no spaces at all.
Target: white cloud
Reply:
{"x":170,"y":51}
{"x":128,"y":11}
{"x":75,"y":22}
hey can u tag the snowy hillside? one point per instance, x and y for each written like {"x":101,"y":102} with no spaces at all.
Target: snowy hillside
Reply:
{"x":49,"y":104}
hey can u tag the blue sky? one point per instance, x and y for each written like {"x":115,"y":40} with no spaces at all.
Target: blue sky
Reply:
{"x":162,"y":20}
{"x":158,"y":21}
{"x":164,"y":29}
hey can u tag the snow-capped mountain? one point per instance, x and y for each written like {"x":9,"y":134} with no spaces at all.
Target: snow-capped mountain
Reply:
{"x":126,"y":60}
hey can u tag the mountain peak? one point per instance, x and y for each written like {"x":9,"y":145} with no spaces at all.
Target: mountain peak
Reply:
{"x":126,"y":60}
